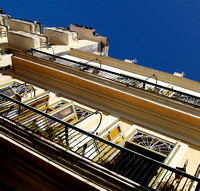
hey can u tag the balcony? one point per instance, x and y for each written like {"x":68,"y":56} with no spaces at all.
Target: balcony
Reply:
{"x":128,"y":81}
{"x":123,"y":161}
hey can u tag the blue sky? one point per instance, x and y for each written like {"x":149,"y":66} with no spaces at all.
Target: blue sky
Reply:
{"x":160,"y":34}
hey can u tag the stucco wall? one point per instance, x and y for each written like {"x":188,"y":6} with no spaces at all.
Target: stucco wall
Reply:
{"x":4,"y":19}
{"x":60,"y":37}
{"x":18,"y":25}
{"x":3,"y":31}
{"x":88,"y":34}
{"x":20,"y":42}
{"x":56,"y":37}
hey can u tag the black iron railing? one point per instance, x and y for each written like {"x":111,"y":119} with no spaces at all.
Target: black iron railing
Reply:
{"x":137,"y":167}
{"x":120,"y":78}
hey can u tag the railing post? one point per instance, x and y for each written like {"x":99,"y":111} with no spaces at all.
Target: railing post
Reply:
{"x":67,"y":137}
{"x":143,"y":85}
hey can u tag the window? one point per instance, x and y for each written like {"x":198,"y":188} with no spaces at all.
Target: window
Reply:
{"x":152,"y":143}
{"x":115,"y":132}
{"x":63,"y":113}
{"x":7,"y":91}
{"x":82,"y":113}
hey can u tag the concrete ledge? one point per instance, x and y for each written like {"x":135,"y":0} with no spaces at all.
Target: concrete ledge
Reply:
{"x":151,"y":114}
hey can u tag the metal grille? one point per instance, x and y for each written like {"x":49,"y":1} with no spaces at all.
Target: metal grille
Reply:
{"x":120,"y":78}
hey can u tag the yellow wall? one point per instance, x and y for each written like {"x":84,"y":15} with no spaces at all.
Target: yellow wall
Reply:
{"x":113,"y":96}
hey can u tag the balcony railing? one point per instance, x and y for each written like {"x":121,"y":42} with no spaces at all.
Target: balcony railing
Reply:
{"x":125,"y":162}
{"x":120,"y":78}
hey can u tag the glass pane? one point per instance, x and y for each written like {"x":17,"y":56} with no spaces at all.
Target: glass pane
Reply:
{"x":64,"y":112}
{"x":152,"y":143}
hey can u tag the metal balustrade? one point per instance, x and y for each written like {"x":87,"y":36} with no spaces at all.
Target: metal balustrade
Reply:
{"x":123,"y":161}
{"x":120,"y":78}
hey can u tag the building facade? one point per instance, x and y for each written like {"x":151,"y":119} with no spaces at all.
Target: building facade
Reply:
{"x":74,"y":118}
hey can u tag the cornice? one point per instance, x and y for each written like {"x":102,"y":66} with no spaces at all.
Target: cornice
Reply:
{"x":152,"y":109}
